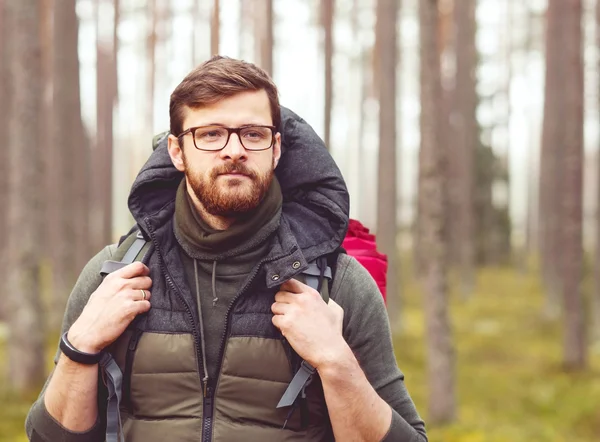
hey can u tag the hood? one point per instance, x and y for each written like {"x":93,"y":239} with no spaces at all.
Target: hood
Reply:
{"x":315,"y":198}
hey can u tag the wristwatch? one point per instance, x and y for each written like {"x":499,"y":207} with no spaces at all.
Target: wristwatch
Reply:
{"x":78,"y":356}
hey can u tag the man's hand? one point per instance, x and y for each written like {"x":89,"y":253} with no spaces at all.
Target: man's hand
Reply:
{"x":313,"y":328}
{"x":111,"y":308}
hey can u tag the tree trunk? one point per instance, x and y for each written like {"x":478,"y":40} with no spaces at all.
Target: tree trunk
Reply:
{"x":466,"y":136}
{"x":575,"y":356}
{"x":440,"y":353}
{"x":68,"y":194}
{"x":553,"y":134}
{"x":215,"y":24}
{"x":387,"y":182}
{"x":151,"y":54}
{"x":4,"y":168}
{"x":263,"y":34}
{"x":596,"y":295}
{"x":327,"y":9}
{"x":24,"y":233}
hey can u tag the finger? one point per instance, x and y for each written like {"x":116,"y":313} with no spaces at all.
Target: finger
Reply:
{"x":279,"y":308}
{"x":294,"y":286}
{"x":132,"y":270}
{"x":136,"y":294}
{"x":285,"y":297}
{"x":139,"y":282}
{"x":142,"y":307}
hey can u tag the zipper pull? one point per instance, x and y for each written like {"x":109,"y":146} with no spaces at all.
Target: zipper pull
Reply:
{"x":208,"y":403}
{"x":133,"y":342}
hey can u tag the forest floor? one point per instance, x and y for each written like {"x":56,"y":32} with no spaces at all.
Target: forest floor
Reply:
{"x":510,"y":384}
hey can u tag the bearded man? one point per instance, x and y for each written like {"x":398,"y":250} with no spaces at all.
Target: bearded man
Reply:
{"x":204,"y":338}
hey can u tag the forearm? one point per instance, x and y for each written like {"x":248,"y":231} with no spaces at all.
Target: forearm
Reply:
{"x":356,"y":411}
{"x":71,"y":397}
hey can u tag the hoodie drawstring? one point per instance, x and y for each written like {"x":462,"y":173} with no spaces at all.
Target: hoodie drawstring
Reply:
{"x":202,"y":340}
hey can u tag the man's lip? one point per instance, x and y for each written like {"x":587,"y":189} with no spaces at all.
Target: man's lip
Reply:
{"x":234,"y":174}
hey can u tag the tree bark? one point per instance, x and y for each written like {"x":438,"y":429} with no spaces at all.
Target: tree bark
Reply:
{"x":575,"y":349}
{"x":4,"y":168}
{"x":596,"y":295}
{"x":215,"y":25}
{"x":440,"y":353}
{"x":327,"y":10}
{"x":553,"y":138}
{"x":466,"y":136}
{"x":24,"y":234}
{"x":69,"y":168}
{"x":263,"y":34}
{"x":387,"y":182}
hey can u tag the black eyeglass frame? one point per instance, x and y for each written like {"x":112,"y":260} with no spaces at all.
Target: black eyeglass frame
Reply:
{"x":230,"y":130}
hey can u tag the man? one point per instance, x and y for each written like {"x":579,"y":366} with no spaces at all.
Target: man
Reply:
{"x":209,"y":331}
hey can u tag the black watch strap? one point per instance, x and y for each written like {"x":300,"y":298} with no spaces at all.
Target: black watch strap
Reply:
{"x":78,"y":356}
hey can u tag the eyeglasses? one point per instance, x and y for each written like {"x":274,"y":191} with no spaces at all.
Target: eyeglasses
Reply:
{"x":214,"y":138}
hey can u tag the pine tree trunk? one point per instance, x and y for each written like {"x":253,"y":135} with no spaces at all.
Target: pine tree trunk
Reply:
{"x":466,"y":140}
{"x":24,"y":233}
{"x":263,"y":30}
{"x":327,"y":8}
{"x":387,"y":202}
{"x":215,"y":29}
{"x":68,"y":170}
{"x":4,"y":168}
{"x":440,"y":353}
{"x":553,"y":136}
{"x":595,"y":315}
{"x":575,"y":349}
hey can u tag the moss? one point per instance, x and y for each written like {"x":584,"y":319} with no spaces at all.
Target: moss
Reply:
{"x":510,"y":384}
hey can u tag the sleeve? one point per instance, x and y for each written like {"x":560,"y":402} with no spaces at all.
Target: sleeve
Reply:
{"x":367,"y":332}
{"x":39,"y":425}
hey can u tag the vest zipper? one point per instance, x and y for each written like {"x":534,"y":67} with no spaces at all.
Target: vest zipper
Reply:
{"x":207,"y":415}
{"x":195,"y":332}
{"x":131,"y":348}
{"x":210,"y":396}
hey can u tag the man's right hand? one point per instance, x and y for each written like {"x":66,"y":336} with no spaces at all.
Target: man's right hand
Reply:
{"x":111,"y":308}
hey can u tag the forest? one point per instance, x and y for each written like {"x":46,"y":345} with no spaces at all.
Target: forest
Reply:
{"x":468,"y":134}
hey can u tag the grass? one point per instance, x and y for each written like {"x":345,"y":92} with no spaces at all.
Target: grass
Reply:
{"x":510,"y":383}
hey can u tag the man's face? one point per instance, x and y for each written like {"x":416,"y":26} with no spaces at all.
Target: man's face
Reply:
{"x":232,"y":181}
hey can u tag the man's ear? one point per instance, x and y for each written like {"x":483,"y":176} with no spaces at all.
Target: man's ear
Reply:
{"x":176,"y":153}
{"x":276,"y":150}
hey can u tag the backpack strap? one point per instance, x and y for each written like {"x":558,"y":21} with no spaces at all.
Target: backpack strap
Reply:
{"x":135,"y":247}
{"x":314,"y":276}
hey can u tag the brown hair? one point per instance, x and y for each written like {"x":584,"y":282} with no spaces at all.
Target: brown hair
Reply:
{"x":218,"y":78}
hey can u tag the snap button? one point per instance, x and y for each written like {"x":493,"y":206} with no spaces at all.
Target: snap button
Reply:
{"x":275,"y":277}
{"x":296,"y":265}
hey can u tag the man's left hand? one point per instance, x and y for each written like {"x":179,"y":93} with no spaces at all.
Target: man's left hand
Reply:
{"x":313,"y":328}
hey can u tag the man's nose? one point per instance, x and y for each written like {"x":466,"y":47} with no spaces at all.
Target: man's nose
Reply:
{"x":234,"y":148}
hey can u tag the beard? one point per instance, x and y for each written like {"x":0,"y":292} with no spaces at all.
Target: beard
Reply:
{"x":229,"y":197}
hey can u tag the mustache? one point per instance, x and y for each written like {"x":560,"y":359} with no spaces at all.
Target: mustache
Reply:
{"x":233,"y":168}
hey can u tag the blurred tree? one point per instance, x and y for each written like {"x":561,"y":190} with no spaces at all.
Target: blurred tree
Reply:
{"x":215,"y":25}
{"x":466,"y":135}
{"x":25,"y":223}
{"x":46,"y":41}
{"x":263,"y":34}
{"x":553,"y":133}
{"x":106,"y":97}
{"x":571,"y":245}
{"x":69,"y":192}
{"x":151,"y":54}
{"x":4,"y":168}
{"x":595,"y":335}
{"x":440,"y":353}
{"x":327,"y":11}
{"x":387,"y":183}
